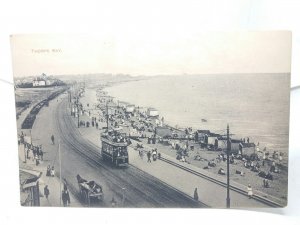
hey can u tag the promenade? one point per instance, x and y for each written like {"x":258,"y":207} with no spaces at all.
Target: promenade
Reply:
{"x":50,"y":157}
{"x":209,"y":193}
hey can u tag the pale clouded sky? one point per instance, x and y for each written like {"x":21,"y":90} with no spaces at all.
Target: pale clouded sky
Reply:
{"x":141,"y":54}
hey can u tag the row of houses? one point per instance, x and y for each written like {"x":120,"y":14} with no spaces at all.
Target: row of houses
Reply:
{"x":38,"y":81}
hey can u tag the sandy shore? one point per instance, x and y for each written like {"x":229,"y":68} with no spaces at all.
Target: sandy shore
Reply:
{"x":278,"y":186}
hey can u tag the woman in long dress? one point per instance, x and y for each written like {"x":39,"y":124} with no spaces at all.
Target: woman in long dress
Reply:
{"x":250,"y":191}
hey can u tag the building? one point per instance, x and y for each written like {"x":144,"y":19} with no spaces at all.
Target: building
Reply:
{"x":29,"y":187}
{"x":42,"y":81}
{"x":152,"y":112}
{"x":39,"y":83}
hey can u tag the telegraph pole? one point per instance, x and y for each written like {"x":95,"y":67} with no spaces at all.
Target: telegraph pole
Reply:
{"x":228,"y":184}
{"x":107,"y":115}
{"x":78,"y":111}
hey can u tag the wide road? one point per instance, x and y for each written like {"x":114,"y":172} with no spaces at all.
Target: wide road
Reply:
{"x":80,"y":156}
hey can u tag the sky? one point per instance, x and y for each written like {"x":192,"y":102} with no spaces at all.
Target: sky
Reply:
{"x":140,"y":54}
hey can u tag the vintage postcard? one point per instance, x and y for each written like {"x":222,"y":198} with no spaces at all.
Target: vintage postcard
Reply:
{"x":187,"y":122}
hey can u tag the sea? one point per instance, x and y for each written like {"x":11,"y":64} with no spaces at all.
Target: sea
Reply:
{"x":253,"y":105}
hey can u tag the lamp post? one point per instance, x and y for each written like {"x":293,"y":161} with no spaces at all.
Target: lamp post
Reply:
{"x":78,"y":113}
{"x":25,"y":156}
{"x":228,"y":184}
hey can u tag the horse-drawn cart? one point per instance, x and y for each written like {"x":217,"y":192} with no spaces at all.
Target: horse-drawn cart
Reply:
{"x":90,"y":191}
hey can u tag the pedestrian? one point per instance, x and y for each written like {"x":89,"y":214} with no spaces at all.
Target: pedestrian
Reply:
{"x":27,"y":153}
{"x":52,"y":139}
{"x":196,"y":194}
{"x":37,"y":161}
{"x":154,"y":155}
{"x":149,"y":156}
{"x":113,"y":202}
{"x":65,"y":197}
{"x":34,"y":152}
{"x":46,"y":191}
{"x":52,"y":172}
{"x":141,"y":153}
{"x":42,"y":154}
{"x":267,"y":183}
{"x":48,"y":173}
{"x":250,"y":191}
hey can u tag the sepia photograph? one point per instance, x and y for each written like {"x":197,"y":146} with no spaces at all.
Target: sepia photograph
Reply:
{"x":194,"y":122}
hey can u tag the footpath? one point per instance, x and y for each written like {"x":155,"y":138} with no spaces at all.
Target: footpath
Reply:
{"x":54,"y":185}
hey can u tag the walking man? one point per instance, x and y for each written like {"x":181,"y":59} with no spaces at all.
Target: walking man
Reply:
{"x":65,"y":197}
{"x":196,"y":194}
{"x":149,"y":156}
{"x":46,"y":191}
{"x":52,"y":139}
{"x":42,"y":154}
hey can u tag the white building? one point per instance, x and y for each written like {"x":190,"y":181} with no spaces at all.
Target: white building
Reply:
{"x":39,"y":83}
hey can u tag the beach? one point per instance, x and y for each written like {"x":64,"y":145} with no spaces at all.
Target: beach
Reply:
{"x":200,"y":156}
{"x":254,"y":105}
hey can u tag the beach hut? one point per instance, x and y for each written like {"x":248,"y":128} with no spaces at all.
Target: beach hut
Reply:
{"x":234,"y":144}
{"x":247,"y":148}
{"x":151,"y":112}
{"x":201,"y":134}
{"x":130,"y":108}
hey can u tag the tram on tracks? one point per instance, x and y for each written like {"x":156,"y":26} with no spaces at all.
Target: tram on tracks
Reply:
{"x":114,"y":148}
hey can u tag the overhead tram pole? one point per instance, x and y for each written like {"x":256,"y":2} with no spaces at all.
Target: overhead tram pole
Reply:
{"x":228,"y":184}
{"x":107,"y":115}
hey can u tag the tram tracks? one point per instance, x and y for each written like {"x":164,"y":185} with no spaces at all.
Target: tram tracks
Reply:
{"x":140,"y":187}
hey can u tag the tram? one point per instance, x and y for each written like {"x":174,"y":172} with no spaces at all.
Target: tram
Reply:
{"x":114,"y":148}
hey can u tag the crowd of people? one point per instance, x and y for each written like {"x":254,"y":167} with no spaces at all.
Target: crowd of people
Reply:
{"x":36,"y":154}
{"x":153,"y":154}
{"x":256,"y":163}
{"x":32,"y":152}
